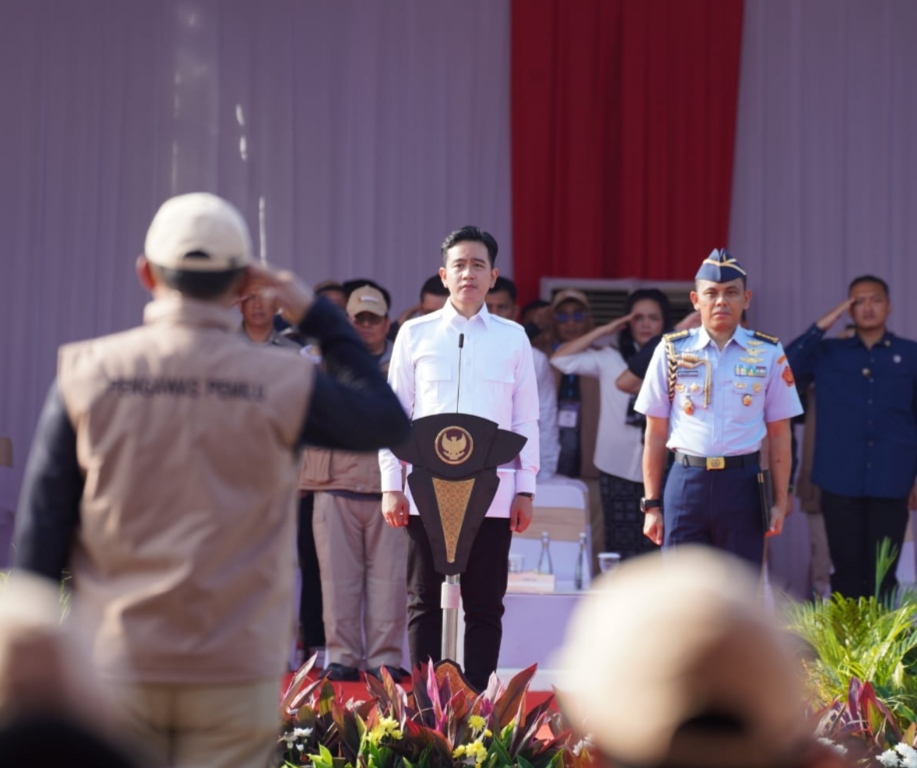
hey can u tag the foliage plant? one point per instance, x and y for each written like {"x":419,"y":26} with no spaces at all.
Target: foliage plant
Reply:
{"x":861,"y":667}
{"x":430,"y":727}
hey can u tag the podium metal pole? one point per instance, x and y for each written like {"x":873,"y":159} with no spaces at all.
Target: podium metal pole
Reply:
{"x":450,"y":600}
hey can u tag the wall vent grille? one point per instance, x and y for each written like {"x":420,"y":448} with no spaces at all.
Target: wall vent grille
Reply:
{"x":609,"y":297}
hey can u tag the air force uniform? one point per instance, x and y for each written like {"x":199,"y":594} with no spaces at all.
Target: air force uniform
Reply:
{"x":718,"y":403}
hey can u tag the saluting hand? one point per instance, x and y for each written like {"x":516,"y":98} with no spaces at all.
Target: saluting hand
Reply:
{"x":831,"y":318}
{"x":691,"y":320}
{"x":653,"y":526}
{"x":616,"y":325}
{"x":293,"y":295}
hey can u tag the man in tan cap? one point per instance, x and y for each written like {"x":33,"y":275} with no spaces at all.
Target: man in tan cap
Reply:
{"x":362,"y":561}
{"x":162,"y":476}
{"x":672,"y":662}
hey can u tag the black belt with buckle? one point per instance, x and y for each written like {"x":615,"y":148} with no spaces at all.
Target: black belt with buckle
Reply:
{"x":718,"y":462}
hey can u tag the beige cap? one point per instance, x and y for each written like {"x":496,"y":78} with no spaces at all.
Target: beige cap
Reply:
{"x":366,"y":299}
{"x":569,"y":294}
{"x":675,"y":637}
{"x":198,"y":232}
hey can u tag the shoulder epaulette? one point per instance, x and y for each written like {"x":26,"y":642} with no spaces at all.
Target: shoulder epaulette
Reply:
{"x":766,"y":337}
{"x":672,"y":360}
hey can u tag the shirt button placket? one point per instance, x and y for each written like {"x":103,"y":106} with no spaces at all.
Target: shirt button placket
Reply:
{"x":869,"y":441}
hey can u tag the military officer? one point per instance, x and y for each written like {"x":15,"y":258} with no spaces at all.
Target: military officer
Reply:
{"x":711,"y":395}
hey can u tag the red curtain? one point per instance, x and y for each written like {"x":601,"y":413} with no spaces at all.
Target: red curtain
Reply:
{"x":623,"y":127}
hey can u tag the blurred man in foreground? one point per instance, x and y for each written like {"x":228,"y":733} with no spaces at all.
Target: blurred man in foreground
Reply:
{"x":672,"y":662}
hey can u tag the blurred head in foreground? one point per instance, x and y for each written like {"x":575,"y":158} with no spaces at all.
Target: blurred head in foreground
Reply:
{"x":673,"y":662}
{"x":53,"y":711}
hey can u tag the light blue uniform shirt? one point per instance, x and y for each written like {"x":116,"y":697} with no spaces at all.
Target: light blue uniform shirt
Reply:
{"x":750,"y":385}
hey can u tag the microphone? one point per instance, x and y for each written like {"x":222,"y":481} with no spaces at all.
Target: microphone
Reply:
{"x":458,"y":385}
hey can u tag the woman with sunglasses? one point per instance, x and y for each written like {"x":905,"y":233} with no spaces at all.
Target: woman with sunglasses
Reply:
{"x":618,"y":449}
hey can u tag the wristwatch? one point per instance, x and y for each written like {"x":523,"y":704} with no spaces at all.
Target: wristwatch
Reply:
{"x":647,"y":504}
{"x":527,"y":494}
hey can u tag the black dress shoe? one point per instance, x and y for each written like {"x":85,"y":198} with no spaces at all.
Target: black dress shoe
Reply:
{"x":398,"y":674}
{"x":340,"y":674}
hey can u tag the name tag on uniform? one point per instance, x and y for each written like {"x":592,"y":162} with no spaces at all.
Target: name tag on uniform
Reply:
{"x":567,"y":415}
{"x":752,"y":370}
{"x":686,"y":372}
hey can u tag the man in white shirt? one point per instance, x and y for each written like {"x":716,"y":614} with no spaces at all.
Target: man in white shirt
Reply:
{"x":463,"y":359}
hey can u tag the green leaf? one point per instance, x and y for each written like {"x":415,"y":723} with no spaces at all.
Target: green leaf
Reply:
{"x":323,"y":759}
{"x":862,"y":639}
{"x":886,"y":553}
{"x":498,"y":748}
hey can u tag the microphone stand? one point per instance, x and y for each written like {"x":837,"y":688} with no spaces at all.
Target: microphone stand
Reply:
{"x":450,"y":597}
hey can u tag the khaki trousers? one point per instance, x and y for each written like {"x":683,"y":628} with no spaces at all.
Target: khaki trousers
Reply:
{"x":203,"y":726}
{"x":363,"y":566}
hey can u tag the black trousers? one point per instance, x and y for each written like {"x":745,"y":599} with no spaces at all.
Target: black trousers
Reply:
{"x":311,"y":624}
{"x":856,"y":525}
{"x":483,"y":587}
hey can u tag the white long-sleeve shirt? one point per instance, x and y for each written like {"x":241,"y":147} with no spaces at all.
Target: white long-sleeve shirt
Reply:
{"x":619,"y":445}
{"x":497,"y":383}
{"x":548,"y":435}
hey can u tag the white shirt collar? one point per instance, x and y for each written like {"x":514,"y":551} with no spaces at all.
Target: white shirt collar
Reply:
{"x":740,"y":336}
{"x":451,"y":315}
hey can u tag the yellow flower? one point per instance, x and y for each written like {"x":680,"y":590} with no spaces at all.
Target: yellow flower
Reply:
{"x":387,"y":727}
{"x":476,"y":722}
{"x":479,"y":729}
{"x":476,"y":750}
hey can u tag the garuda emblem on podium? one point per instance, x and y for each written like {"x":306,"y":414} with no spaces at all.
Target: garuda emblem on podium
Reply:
{"x":454,"y":445}
{"x":454,"y":459}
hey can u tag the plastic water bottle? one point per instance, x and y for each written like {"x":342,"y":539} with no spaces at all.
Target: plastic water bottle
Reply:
{"x":544,"y":559}
{"x":580,"y":563}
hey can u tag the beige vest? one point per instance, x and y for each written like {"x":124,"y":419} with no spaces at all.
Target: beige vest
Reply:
{"x":325,"y":470}
{"x":184,"y":558}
